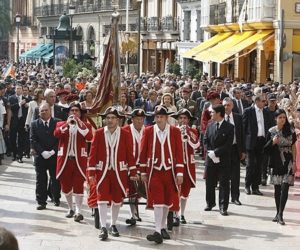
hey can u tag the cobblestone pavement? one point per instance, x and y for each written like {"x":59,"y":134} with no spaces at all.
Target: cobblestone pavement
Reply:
{"x":247,"y":227}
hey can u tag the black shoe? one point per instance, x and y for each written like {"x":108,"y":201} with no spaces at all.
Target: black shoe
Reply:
{"x":182,"y":220}
{"x":70,"y":214}
{"x":41,"y":207}
{"x":27,"y":156}
{"x":264,"y":182}
{"x":165,"y":234}
{"x":103,"y":233}
{"x":114,"y":231}
{"x":8,"y":154}
{"x":131,"y":221}
{"x":280,"y":220}
{"x":170,"y":221}
{"x":223,"y":212}
{"x":275,"y":218}
{"x":78,"y":217}
{"x":156,"y":237}
{"x":209,"y":208}
{"x":237,"y":202}
{"x":56,"y":203}
{"x":257,"y":192}
{"x":20,"y":160}
{"x":247,"y":190}
{"x":176,"y":222}
{"x":14,"y":158}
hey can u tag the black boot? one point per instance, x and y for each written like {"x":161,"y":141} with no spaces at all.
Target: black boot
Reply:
{"x":170,"y":221}
{"x":96,"y":218}
{"x":277,"y":194}
{"x":283,"y":200}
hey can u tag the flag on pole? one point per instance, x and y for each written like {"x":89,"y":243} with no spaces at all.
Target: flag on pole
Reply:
{"x":10,"y":71}
{"x":242,"y":17}
{"x":109,"y":82}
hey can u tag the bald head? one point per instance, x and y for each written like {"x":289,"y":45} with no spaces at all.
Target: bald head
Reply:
{"x":45,"y":111}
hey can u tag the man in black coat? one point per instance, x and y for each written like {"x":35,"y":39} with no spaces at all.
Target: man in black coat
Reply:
{"x":55,"y":110}
{"x":44,"y":148}
{"x":239,"y":104}
{"x":238,"y":151}
{"x":19,"y":109}
{"x":256,"y":123}
{"x":218,"y":143}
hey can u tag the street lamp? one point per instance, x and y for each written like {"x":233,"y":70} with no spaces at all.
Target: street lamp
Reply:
{"x":18,"y":21}
{"x":71,"y":14}
{"x":139,"y":2}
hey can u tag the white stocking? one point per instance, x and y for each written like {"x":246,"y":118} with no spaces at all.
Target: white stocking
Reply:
{"x":182,"y":206}
{"x":102,"y":214}
{"x":69,"y":198}
{"x":78,"y":203}
{"x":164,"y":217}
{"x":114,"y":213}
{"x":158,"y":215}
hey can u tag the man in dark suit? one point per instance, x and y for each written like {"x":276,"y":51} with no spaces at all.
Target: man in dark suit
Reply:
{"x":238,"y":102}
{"x":55,"y":110}
{"x":218,"y":143}
{"x":238,"y":151}
{"x":141,"y":102}
{"x":220,"y":89}
{"x":19,"y":109}
{"x":256,"y":123}
{"x":44,"y":148}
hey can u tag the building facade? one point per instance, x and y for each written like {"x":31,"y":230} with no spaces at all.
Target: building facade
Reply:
{"x":160,"y":27}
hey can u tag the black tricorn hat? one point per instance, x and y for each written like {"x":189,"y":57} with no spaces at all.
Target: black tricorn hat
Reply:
{"x":114,"y":111}
{"x":183,"y":112}
{"x":160,"y":110}
{"x":77,"y":105}
{"x":137,"y":112}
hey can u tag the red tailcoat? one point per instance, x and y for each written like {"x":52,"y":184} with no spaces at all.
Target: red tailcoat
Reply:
{"x":62,"y":133}
{"x":152,"y":155}
{"x":189,"y":156}
{"x":124,"y":160}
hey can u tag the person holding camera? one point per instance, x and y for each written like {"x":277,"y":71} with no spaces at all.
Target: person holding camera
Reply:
{"x":73,"y":135}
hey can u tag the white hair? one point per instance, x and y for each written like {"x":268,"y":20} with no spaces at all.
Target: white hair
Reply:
{"x":48,"y":92}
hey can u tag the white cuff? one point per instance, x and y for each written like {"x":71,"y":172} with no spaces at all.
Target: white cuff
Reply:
{"x":179,"y":175}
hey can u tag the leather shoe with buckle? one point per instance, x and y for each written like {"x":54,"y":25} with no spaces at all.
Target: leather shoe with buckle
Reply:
{"x":257,"y":192}
{"x":237,"y":202}
{"x":41,"y":207}
{"x":114,"y":231}
{"x":70,"y":214}
{"x":209,"y":208}
{"x":78,"y":217}
{"x":223,"y":212}
{"x":165,"y":234}
{"x":156,"y":237}
{"x":103,"y":233}
{"x":247,"y":190}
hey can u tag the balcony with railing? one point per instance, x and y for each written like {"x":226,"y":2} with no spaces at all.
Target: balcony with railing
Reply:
{"x":167,"y":24}
{"x":59,"y":9}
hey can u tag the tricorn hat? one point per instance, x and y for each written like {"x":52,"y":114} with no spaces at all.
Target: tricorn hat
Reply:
{"x":137,"y":112}
{"x":183,"y":112}
{"x":160,"y":110}
{"x":113,"y":110}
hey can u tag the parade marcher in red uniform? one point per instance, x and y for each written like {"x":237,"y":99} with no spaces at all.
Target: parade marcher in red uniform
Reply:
{"x":135,"y":129}
{"x":190,"y":142}
{"x":161,"y":165}
{"x":73,"y":135}
{"x":110,"y":161}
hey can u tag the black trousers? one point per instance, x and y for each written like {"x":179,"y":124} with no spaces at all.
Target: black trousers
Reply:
{"x":17,"y":137}
{"x":212,"y":174}
{"x":265,"y":166}
{"x":43,"y":166}
{"x":235,"y":173}
{"x":254,"y":164}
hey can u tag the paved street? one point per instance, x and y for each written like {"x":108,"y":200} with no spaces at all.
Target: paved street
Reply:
{"x":246,"y":227}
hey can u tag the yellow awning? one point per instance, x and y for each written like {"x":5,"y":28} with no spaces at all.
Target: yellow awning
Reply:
{"x":206,"y":44}
{"x":213,"y":53}
{"x":241,"y":46}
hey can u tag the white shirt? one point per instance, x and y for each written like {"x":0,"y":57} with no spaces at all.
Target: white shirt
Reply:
{"x":137,"y":138}
{"x":231,"y":120}
{"x":112,"y":139}
{"x":48,"y":121}
{"x":52,"y":110}
{"x":72,"y":134}
{"x":220,"y":123}
{"x":260,"y":121}
{"x":162,"y":136}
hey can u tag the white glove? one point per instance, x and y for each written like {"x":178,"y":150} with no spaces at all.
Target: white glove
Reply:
{"x":52,"y":152}
{"x":46,"y":154}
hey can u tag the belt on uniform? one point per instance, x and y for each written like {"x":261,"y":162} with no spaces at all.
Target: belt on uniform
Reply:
{"x":71,"y":158}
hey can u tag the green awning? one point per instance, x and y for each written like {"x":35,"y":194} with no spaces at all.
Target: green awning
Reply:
{"x":47,"y":57}
{"x":28,"y":54}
